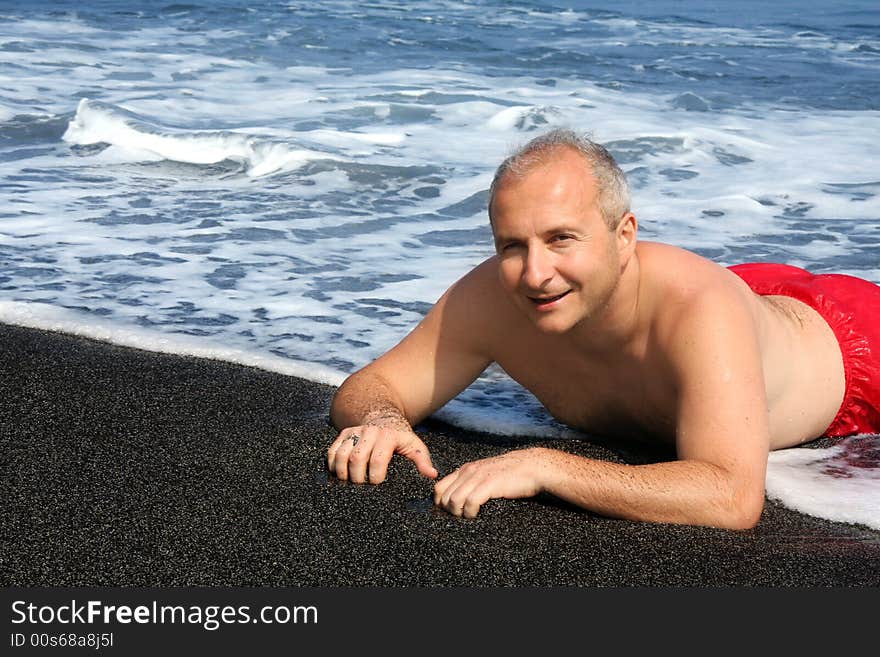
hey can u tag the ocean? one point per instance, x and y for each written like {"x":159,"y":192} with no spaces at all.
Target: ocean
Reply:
{"x":291,"y":185}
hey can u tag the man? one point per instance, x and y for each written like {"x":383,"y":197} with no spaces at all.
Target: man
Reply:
{"x":621,"y":337}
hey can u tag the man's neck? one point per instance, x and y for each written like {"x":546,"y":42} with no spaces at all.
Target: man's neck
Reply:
{"x":617,"y":327}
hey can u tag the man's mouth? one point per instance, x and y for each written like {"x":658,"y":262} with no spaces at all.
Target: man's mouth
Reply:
{"x":543,"y":302}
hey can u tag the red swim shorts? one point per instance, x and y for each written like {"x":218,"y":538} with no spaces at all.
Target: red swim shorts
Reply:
{"x":851,"y":306}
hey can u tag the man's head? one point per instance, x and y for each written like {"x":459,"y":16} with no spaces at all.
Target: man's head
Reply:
{"x":560,"y":252}
{"x":613,"y":196}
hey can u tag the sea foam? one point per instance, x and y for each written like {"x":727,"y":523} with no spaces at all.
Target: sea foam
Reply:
{"x":840,"y":483}
{"x":71,"y":322}
{"x":102,"y":123}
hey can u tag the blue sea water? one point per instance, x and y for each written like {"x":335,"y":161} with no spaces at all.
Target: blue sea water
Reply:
{"x":293,"y":184}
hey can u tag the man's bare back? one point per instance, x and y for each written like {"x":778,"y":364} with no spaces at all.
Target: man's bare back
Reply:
{"x":613,"y":336}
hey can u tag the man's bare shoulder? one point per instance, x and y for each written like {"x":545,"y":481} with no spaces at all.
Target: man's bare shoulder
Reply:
{"x":687,"y":271}
{"x":478,"y":293}
{"x":481,"y":278}
{"x":475,"y":308}
{"x":681,"y":288}
{"x":673,"y":274}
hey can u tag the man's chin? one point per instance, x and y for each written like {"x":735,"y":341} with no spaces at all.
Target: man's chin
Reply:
{"x":555,"y":322}
{"x":552,"y":325}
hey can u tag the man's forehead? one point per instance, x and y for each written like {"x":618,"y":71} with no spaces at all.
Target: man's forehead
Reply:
{"x":565,"y":173}
{"x":558,"y":182}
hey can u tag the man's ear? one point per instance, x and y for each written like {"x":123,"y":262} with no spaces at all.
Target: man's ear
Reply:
{"x":625,"y":234}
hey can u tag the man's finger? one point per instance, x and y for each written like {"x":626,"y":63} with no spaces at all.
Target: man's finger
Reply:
{"x":454,"y":496}
{"x":383,"y":450}
{"x":443,"y":485}
{"x":360,"y":447}
{"x":418,"y":453}
{"x":342,"y":456}
{"x":334,"y":448}
{"x":477,"y":497}
{"x":424,"y":465}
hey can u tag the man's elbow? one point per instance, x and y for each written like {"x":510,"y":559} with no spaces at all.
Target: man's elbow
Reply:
{"x":744,"y":510}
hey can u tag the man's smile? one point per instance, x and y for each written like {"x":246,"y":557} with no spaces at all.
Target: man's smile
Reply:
{"x":547,"y":302}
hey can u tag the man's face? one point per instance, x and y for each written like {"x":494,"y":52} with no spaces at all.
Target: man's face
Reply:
{"x":557,"y":258}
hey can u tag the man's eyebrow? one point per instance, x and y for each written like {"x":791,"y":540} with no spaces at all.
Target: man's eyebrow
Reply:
{"x":564,"y":228}
{"x":553,"y":230}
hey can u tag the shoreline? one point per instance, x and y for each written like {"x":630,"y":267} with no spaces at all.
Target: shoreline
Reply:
{"x":133,"y":468}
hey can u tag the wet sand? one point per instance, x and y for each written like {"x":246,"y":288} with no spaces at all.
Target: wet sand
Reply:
{"x":123,"y":467}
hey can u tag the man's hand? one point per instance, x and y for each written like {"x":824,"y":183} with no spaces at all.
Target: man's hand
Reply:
{"x":361,"y":454}
{"x":512,"y":475}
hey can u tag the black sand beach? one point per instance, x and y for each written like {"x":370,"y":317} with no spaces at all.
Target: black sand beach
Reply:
{"x":128,"y":468}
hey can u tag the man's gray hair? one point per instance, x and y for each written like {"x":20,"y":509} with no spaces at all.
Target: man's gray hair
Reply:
{"x":613,"y":189}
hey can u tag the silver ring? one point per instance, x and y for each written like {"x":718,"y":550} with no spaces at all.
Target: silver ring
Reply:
{"x":354,"y":438}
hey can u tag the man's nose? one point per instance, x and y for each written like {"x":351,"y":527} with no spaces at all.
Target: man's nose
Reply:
{"x":538,"y":268}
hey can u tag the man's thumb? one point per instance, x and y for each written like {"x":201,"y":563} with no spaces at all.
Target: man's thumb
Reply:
{"x":423,"y":463}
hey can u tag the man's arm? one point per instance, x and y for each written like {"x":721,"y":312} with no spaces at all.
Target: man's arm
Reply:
{"x":722,"y":440}
{"x":376,"y":407}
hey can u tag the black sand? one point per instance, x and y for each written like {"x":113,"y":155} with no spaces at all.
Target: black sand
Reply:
{"x":128,"y":468}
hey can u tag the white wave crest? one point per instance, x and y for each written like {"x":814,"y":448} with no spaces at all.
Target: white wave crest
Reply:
{"x":96,"y":123}
{"x":525,"y":117}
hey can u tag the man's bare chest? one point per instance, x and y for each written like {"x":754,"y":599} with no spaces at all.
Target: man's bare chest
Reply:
{"x":623,"y":398}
